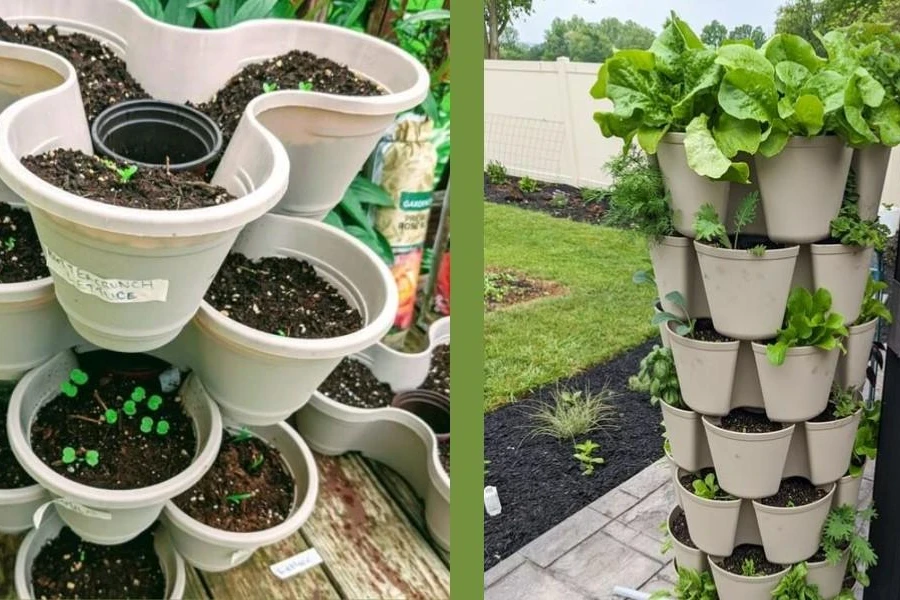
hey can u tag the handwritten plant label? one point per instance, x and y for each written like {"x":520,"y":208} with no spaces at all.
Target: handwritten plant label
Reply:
{"x":81,"y":509}
{"x":296,"y":564}
{"x":114,"y":291}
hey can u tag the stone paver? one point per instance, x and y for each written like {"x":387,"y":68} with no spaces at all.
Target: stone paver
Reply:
{"x":647,"y":515}
{"x":638,"y":540}
{"x":648,"y":480}
{"x":565,"y":536}
{"x":502,"y":569}
{"x":614,"y":503}
{"x":529,"y":582}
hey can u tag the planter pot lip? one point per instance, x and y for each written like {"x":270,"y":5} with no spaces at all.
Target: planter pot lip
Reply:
{"x":677,"y":241}
{"x":759,"y":348}
{"x":822,"y":564}
{"x":27,"y":291}
{"x":438,"y":335}
{"x":708,"y":503}
{"x":863,"y":327}
{"x":681,"y":545}
{"x":703,"y":345}
{"x":104,"y":498}
{"x":732,"y":254}
{"x":229,"y":331}
{"x":684,"y":413}
{"x":352,"y":414}
{"x":745,"y":437}
{"x":836,"y":424}
{"x":28,"y":493}
{"x":837,"y":248}
{"x":816,"y":141}
{"x":254,"y":539}
{"x":796,"y":510}
{"x":743,"y":578}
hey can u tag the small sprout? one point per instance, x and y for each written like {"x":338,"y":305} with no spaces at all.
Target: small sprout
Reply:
{"x":243,"y":435}
{"x":269,"y":87}
{"x":238,"y":498}
{"x":10,"y":243}
{"x":146,"y":424}
{"x":78,"y":376}
{"x":757,"y":250}
{"x":68,"y":455}
{"x":130,"y":408}
{"x":127,"y":173}
{"x":281,"y":333}
{"x":92,"y":458}
{"x":111,"y":415}
{"x":257,"y":462}
{"x":154,"y":402}
{"x":305,"y":86}
{"x":69,"y":389}
{"x":138,"y":394}
{"x":81,"y":556}
{"x":162,"y":427}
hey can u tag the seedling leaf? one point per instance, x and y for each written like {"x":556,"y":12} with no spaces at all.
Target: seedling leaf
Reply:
{"x":92,"y":458}
{"x":68,"y":455}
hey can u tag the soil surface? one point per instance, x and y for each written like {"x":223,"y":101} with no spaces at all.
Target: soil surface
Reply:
{"x":21,"y":257}
{"x":353,"y":384}
{"x":539,"y":482}
{"x":678,"y":527}
{"x":286,"y":72}
{"x":827,"y":414}
{"x":747,"y":241}
{"x":735,"y":562}
{"x":102,"y":76}
{"x":282,"y":296}
{"x":247,"y":489}
{"x":794,"y":491}
{"x":510,"y":288}
{"x":12,"y":475}
{"x":749,"y":421}
{"x":128,"y":457}
{"x":705,"y":332}
{"x":574,"y":207}
{"x":438,"y":379}
{"x":687,"y":482}
{"x":150,"y":189}
{"x":444,"y":453}
{"x":67,"y":567}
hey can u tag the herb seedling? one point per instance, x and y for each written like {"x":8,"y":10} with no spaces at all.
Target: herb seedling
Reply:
{"x":684,"y":325}
{"x":794,"y":586}
{"x":146,"y":424}
{"x":808,"y":321}
{"x":92,"y":458}
{"x":77,"y":377}
{"x":162,"y":427}
{"x":138,"y":394}
{"x":257,"y":462}
{"x":851,"y":230}
{"x":748,"y":568}
{"x":129,"y":408}
{"x":584,"y":455}
{"x":840,"y":533}
{"x":111,"y":416}
{"x":269,"y":86}
{"x":657,"y":377}
{"x":154,"y":402}
{"x":281,"y":333}
{"x":305,"y":86}
{"x":125,"y":173}
{"x":706,"y":487}
{"x":10,"y":243}
{"x":238,"y":498}
{"x":243,"y":435}
{"x":710,"y":229}
{"x":68,"y":455}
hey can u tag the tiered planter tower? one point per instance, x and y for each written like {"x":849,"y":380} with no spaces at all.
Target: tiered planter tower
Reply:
{"x":745,"y":297}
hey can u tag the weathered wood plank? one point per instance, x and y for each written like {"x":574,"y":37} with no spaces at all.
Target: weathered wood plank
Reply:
{"x":193,"y":589}
{"x":9,"y":545}
{"x":370,"y":547}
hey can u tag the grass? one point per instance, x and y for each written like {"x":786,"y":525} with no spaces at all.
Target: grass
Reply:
{"x":603,"y":314}
{"x":573,"y":413}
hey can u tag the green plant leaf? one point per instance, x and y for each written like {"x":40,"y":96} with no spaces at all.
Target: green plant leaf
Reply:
{"x":792,"y":74}
{"x":703,"y":155}
{"x":178,"y":12}
{"x":789,"y":47}
{"x":253,"y":9}
{"x":810,"y":114}
{"x":649,"y":137}
{"x":776,"y":353}
{"x":738,"y":57}
{"x":748,"y":95}
{"x":151,"y":8}
{"x":367,"y":192}
{"x":736,"y":135}
{"x":829,"y":87}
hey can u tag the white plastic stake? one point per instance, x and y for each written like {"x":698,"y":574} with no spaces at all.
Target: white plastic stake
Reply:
{"x":492,"y":501}
{"x":630,"y":593}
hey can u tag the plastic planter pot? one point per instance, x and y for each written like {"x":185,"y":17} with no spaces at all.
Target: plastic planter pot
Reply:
{"x":706,"y":372}
{"x":260,"y":378}
{"x":870,"y":164}
{"x":171,"y":563}
{"x":851,"y":367}
{"x":798,"y":389}
{"x":847,"y":491}
{"x":431,"y":407}
{"x":747,"y":294}
{"x":211,"y":549}
{"x":713,"y":523}
{"x":395,"y":437}
{"x":802,"y":187}
{"x":688,"y":190}
{"x":17,"y":506}
{"x":105,"y":516}
{"x":685,"y":556}
{"x":747,"y":392}
{"x":671,"y":259}
{"x":407,"y":370}
{"x":686,"y":437}
{"x":792,"y":534}
{"x":830,"y":445}
{"x":152,"y":133}
{"x":732,"y":586}
{"x":828,"y":578}
{"x":843,"y":270}
{"x":748,"y":465}
{"x":663,"y":329}
{"x":673,"y":467}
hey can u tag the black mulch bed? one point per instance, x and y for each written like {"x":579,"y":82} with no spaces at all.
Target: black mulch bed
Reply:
{"x":575,"y":208}
{"x":538,"y":481}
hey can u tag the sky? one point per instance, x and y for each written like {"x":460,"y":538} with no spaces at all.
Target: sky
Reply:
{"x":650,"y":13}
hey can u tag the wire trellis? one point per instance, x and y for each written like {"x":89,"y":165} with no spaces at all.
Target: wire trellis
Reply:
{"x":532,"y":146}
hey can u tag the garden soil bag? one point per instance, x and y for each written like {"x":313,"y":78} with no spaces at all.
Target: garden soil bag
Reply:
{"x":404,"y":165}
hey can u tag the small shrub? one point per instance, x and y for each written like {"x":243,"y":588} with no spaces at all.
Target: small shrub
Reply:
{"x":496,"y":173}
{"x":574,"y":413}
{"x":637,"y":197}
{"x":527,"y":185}
{"x":656,"y":376}
{"x":559,"y":199}
{"x":591,"y":195}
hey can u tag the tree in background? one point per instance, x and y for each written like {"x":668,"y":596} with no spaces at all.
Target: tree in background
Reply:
{"x":714,"y":34}
{"x":497,"y":16}
{"x":805,"y":17}
{"x":582,"y":41}
{"x":748,"y":32}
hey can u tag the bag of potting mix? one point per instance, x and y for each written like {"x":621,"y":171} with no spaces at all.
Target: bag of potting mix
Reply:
{"x":404,"y":165}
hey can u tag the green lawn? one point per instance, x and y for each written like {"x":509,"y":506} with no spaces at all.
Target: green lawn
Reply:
{"x":602,"y":314}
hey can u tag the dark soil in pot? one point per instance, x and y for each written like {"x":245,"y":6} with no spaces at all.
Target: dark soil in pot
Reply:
{"x":247,"y":489}
{"x":67,"y":567}
{"x":21,"y":258}
{"x":678,"y":528}
{"x":575,"y":208}
{"x":140,"y":434}
{"x":744,"y":552}
{"x":285,"y":72}
{"x":794,"y":491}
{"x":444,"y":453}
{"x":438,"y":378}
{"x":282,"y":296}
{"x":353,"y":384}
{"x":102,"y":76}
{"x":687,"y":482}
{"x":12,"y":475}
{"x":747,"y":242}
{"x":104,"y":181}
{"x":705,"y":332}
{"x":749,"y":421}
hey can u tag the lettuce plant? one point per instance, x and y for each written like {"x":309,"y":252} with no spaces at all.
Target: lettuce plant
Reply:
{"x":794,"y":586}
{"x":808,"y":321}
{"x":851,"y":230}
{"x":873,"y":306}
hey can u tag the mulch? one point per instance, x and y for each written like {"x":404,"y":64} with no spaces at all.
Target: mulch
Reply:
{"x":575,"y":208}
{"x":538,"y":481}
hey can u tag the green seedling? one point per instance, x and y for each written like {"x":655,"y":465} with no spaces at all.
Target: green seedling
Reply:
{"x":10,"y":243}
{"x":748,"y":567}
{"x":238,"y":498}
{"x":92,"y":458}
{"x":68,"y":455}
{"x":77,"y":377}
{"x":243,"y":435}
{"x":269,"y":87}
{"x":138,"y":394}
{"x":706,"y":487}
{"x":81,"y":556}
{"x":146,"y":424}
{"x":129,"y":408}
{"x":305,"y":86}
{"x":111,"y":416}
{"x":257,"y":462}
{"x":154,"y":402}
{"x":281,"y":333}
{"x":584,"y":455}
{"x":125,"y":173}
{"x":162,"y":427}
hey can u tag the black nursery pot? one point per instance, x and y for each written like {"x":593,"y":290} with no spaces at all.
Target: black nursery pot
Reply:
{"x":431,"y":407}
{"x":150,"y":133}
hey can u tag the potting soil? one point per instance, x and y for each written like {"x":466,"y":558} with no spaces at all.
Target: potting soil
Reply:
{"x":21,"y":258}
{"x":353,"y":384}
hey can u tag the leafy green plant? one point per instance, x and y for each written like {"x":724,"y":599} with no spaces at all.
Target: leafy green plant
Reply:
{"x":846,"y":401}
{"x":9,"y":244}
{"x":496,"y":173}
{"x":111,"y":416}
{"x":70,"y":456}
{"x":138,"y":394}
{"x":748,"y":568}
{"x":584,"y":453}
{"x":808,"y":321}
{"x":592,"y":195}
{"x":573,"y":413}
{"x":305,"y":86}
{"x":794,"y":586}
{"x":865,"y":444}
{"x":154,"y":402}
{"x":257,"y":462}
{"x":527,"y":185}
{"x":559,"y":199}
{"x":684,"y":325}
{"x":162,"y":427}
{"x":840,"y":533}
{"x":269,"y":86}
{"x":92,"y":458}
{"x":125,"y":173}
{"x":637,"y":196}
{"x":77,"y":378}
{"x":130,"y":408}
{"x":656,"y":376}
{"x":873,"y":307}
{"x":707,"y":487}
{"x":497,"y":284}
{"x":351,"y":215}
{"x":146,"y":424}
{"x":851,"y":230}
{"x":173,"y":12}
{"x":217,"y":14}
{"x":242,"y":436}
{"x":710,"y":229}
{"x":691,"y":585}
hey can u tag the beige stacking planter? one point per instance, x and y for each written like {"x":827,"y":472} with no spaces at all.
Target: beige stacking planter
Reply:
{"x":828,"y":578}
{"x":407,"y":370}
{"x":798,"y":389}
{"x":685,"y":556}
{"x":843,"y":270}
{"x":713,"y":523}
{"x":870,"y":163}
{"x":685,"y":432}
{"x":675,"y":269}
{"x":851,"y":367}
{"x":731,"y":586}
{"x":829,"y":447}
{"x":706,"y":372}
{"x":847,"y":491}
{"x":792,"y":534}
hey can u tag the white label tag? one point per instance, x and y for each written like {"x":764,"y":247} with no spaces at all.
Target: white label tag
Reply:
{"x":114,"y":291}
{"x":296,"y":564}
{"x":71,"y":505}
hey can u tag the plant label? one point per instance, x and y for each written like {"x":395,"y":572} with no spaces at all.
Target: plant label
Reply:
{"x":296,"y":564}
{"x":70,"y":505}
{"x":114,"y":291}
